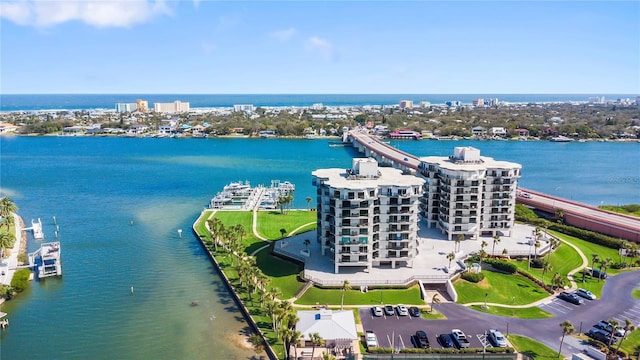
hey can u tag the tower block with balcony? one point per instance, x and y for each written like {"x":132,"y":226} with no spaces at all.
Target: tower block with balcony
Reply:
{"x":468,"y":194}
{"x":367,"y":215}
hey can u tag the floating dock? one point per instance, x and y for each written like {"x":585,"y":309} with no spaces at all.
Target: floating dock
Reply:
{"x":36,"y":227}
{"x":241,"y":196}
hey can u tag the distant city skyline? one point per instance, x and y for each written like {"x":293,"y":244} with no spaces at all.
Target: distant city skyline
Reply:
{"x":346,"y":47}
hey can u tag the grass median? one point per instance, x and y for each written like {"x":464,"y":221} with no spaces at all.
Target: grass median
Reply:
{"x":532,"y":312}
{"x":317,"y":296}
{"x":271,"y":222}
{"x":499,"y":288}
{"x":533,"y":348}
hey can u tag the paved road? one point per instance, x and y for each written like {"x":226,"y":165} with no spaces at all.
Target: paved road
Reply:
{"x":617,"y":303}
{"x":627,"y":223}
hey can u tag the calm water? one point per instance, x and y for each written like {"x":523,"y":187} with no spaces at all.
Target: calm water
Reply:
{"x":95,"y":187}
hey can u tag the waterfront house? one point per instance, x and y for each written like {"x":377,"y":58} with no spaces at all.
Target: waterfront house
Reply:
{"x":337,"y":328}
{"x":478,"y":131}
{"x":522,"y":132}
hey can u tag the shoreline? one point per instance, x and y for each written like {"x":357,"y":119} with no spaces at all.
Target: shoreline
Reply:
{"x":20,"y":247}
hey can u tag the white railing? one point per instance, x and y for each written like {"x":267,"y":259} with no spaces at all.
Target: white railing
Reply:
{"x":429,"y":279}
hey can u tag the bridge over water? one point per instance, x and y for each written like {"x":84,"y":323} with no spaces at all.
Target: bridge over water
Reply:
{"x":575,"y":213}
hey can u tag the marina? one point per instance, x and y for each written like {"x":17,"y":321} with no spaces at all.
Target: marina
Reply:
{"x":241,"y":196}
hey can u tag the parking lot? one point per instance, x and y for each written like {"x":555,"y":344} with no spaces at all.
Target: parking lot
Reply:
{"x":559,"y":307}
{"x":397,"y":331}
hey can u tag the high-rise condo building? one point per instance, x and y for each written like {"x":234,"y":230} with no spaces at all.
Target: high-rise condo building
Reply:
{"x":468,"y":194}
{"x":174,"y":107}
{"x":367,"y":215}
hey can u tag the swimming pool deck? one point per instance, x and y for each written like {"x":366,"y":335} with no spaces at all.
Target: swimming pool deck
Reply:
{"x":430,"y":263}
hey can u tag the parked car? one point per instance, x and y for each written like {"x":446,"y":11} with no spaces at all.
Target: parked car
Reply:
{"x":421,"y":340}
{"x":596,"y":273}
{"x":606,"y":326}
{"x":377,"y":311}
{"x":445,"y":340}
{"x":599,"y":334}
{"x":402,"y":310}
{"x":414,"y":311}
{"x":496,"y":338}
{"x":459,"y":338}
{"x":371,"y":339}
{"x":571,"y":297}
{"x":388,"y":310}
{"x":585,"y":294}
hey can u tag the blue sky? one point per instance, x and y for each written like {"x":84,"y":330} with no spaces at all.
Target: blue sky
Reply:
{"x":212,"y":47}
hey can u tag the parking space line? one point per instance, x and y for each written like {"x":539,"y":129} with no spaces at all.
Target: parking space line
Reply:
{"x":389,"y":340}
{"x":401,"y":341}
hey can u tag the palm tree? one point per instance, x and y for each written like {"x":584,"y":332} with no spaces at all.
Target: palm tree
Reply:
{"x":628,"y":327}
{"x":7,"y":207}
{"x":546,"y":267}
{"x":483,"y":245}
{"x":557,"y":280}
{"x":294,"y":339}
{"x":604,"y":265}
{"x":567,"y":328}
{"x":327,"y":356}
{"x":346,"y":286}
{"x":307,"y":242}
{"x":215,"y":228}
{"x":289,"y":201}
{"x":505,"y":252}
{"x":434,"y":300}
{"x":316,"y":340}
{"x":458,"y":240}
{"x":496,"y":240}
{"x":450,"y":257}
{"x":615,"y":325}
{"x":286,"y":335}
{"x":282,"y":200}
{"x":559,"y":216}
{"x":537,"y":245}
{"x":6,"y":241}
{"x":594,"y":259}
{"x":483,"y":254}
{"x":8,"y":221}
{"x":308,"y":198}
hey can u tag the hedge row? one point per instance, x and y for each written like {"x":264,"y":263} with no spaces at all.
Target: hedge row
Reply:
{"x":472,"y":277}
{"x":502,"y":265}
{"x":527,"y":215}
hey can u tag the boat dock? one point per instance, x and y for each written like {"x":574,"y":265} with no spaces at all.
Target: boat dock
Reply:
{"x":36,"y":227}
{"x":241,"y":196}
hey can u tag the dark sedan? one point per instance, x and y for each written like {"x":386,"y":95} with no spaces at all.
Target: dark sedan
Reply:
{"x":421,"y":340}
{"x":414,"y":311}
{"x":445,"y":340}
{"x":570,"y":297}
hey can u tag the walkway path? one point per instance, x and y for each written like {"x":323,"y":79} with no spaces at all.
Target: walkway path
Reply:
{"x":8,"y":265}
{"x":300,"y":227}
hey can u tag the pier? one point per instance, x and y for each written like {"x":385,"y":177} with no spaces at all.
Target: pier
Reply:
{"x":575,"y":213}
{"x":36,"y":228}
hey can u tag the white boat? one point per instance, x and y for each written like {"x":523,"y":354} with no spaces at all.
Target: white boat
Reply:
{"x":561,"y":139}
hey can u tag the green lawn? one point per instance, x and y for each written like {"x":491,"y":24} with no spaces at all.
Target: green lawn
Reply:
{"x":270,"y":222}
{"x":532,"y":348}
{"x":636,"y":294}
{"x":244,"y":218}
{"x":632,"y":343}
{"x":501,"y":289}
{"x":306,"y":228}
{"x":589,"y":248}
{"x":314,"y":295}
{"x":533,"y":312}
{"x":564,"y":259}
{"x":283,"y":274}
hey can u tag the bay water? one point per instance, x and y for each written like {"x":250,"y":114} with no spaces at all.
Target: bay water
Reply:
{"x":119,"y":202}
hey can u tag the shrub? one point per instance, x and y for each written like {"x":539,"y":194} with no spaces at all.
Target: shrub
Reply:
{"x":503,"y":265}
{"x":546,"y":287}
{"x":6,"y":292}
{"x":22,"y":258}
{"x":20,"y":280}
{"x":537,"y":263}
{"x":472,"y":277}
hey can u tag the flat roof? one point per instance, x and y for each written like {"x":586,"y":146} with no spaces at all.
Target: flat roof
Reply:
{"x":485,"y":163}
{"x":339,"y":178}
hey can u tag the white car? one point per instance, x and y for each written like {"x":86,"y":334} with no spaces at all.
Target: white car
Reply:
{"x":371,"y":339}
{"x":377,"y":311}
{"x":402,"y":310}
{"x":585,"y":294}
{"x":496,"y":338}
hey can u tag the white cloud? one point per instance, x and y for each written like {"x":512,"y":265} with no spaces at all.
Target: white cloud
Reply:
{"x":208,"y":48}
{"x":112,"y":13}
{"x":283,"y":35}
{"x":322,"y":47}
